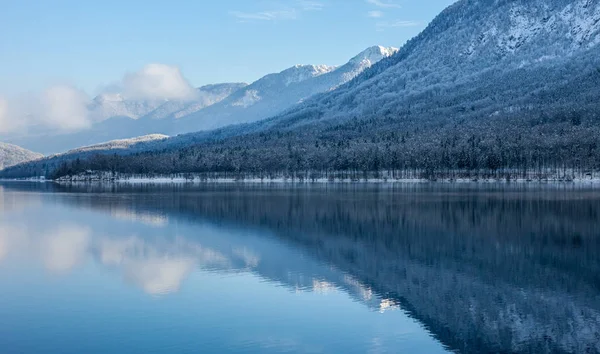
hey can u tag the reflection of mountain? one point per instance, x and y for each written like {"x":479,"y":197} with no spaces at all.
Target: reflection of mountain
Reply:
{"x":158,"y":256}
{"x":486,"y":269}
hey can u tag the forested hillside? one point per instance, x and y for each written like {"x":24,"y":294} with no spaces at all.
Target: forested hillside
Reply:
{"x":503,"y":89}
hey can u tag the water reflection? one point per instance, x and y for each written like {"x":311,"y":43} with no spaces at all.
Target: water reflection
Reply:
{"x":484,"y":269}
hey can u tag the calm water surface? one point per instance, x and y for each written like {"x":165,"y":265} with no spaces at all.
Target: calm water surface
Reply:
{"x":322,"y":269}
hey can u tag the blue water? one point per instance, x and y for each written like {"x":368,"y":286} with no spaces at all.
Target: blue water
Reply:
{"x":249,"y":269}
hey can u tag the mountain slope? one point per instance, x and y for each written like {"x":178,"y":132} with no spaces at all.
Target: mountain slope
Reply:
{"x":11,"y":155}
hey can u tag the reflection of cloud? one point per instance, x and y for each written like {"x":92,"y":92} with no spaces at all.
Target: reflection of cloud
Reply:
{"x":65,"y":248}
{"x":12,"y":237}
{"x":60,"y":249}
{"x":150,"y":268}
{"x":157,"y":268}
{"x":161,"y":275}
{"x":3,"y":243}
{"x":249,"y":257}
{"x":149,"y":219}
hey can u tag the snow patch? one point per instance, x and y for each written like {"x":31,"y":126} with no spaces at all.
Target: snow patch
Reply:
{"x":250,"y":98}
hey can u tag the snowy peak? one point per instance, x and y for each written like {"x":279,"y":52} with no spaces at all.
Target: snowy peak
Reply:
{"x":299,"y":73}
{"x":372,"y":55}
{"x":274,"y":93}
{"x":273,"y":85}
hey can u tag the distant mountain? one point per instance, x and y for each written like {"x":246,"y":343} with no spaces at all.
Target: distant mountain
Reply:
{"x":11,"y":155}
{"x":275,"y":93}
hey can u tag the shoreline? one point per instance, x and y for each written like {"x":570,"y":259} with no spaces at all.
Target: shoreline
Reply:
{"x":165,"y":180}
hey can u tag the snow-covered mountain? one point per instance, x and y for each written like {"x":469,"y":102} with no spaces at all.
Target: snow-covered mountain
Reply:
{"x":275,"y":93}
{"x":11,"y":155}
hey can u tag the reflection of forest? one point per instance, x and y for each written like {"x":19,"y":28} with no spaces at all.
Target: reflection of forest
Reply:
{"x":500,"y":269}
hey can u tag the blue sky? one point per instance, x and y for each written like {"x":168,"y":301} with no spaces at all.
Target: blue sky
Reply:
{"x":90,"y":44}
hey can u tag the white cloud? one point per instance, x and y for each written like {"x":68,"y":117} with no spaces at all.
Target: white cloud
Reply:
{"x":4,"y":120}
{"x":60,"y":107}
{"x":375,"y":14}
{"x":157,"y":81}
{"x":383,"y":4}
{"x":265,"y":15}
{"x":65,"y":108}
{"x":286,"y":13}
{"x":381,"y":26}
{"x":308,"y":5}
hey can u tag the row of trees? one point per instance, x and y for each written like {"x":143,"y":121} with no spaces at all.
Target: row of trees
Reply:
{"x":563,"y":146}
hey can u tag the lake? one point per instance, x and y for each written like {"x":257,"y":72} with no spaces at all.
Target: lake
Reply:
{"x":406,"y":268}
